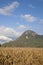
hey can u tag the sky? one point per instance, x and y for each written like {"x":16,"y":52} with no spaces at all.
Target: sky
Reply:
{"x":17,"y":16}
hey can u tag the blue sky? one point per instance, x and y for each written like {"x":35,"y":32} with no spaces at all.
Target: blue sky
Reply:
{"x":19,"y":15}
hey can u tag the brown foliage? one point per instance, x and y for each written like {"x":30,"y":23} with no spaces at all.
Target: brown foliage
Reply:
{"x":21,"y":56}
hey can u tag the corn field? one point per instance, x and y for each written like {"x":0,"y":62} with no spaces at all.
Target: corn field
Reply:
{"x":21,"y":56}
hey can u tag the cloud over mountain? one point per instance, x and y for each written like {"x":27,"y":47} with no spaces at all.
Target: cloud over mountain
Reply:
{"x":8,"y":34}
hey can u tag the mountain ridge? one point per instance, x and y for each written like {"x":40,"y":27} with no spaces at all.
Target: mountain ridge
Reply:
{"x":28,"y":39}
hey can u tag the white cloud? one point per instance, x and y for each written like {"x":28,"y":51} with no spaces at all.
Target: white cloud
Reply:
{"x":7,"y":34}
{"x":29,"y":17}
{"x":22,"y":27}
{"x":8,"y":9}
{"x":31,"y":6}
{"x":41,"y":20}
{"x":5,"y":38}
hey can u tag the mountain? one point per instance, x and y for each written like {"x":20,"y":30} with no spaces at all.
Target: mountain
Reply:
{"x":27,"y":39}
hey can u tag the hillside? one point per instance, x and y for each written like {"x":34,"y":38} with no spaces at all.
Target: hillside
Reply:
{"x":27,"y":39}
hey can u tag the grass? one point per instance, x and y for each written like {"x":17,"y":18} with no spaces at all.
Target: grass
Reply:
{"x":21,"y":56}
